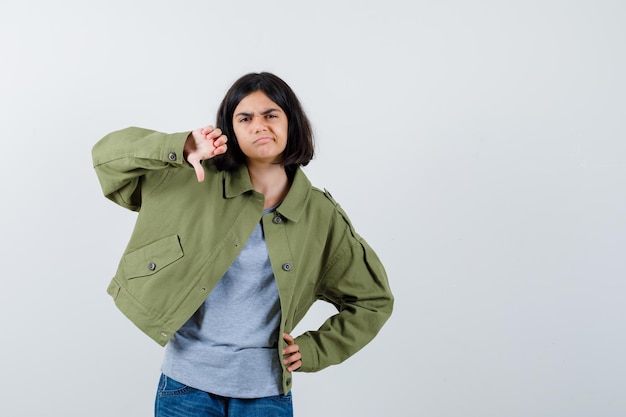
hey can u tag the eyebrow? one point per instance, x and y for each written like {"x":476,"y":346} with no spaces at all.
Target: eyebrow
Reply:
{"x":268,"y":111}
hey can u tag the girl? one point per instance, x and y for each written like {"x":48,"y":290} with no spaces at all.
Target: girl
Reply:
{"x":231,"y":247}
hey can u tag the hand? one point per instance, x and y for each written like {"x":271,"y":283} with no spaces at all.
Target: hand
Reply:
{"x":204,"y":144}
{"x":292,"y":351}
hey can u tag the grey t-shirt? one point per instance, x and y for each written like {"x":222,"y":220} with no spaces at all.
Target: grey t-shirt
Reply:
{"x":229,"y":346}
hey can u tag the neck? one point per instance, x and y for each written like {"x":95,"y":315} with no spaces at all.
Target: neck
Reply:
{"x":270,"y":180}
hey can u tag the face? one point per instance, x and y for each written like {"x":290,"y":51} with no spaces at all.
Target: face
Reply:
{"x":261,"y":128}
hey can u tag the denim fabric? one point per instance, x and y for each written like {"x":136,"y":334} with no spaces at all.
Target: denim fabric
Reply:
{"x":174,"y":399}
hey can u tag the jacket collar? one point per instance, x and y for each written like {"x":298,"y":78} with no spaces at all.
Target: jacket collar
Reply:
{"x":238,"y":182}
{"x":297,"y":198}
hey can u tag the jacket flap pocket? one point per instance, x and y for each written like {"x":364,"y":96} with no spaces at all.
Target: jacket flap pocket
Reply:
{"x":152,"y":258}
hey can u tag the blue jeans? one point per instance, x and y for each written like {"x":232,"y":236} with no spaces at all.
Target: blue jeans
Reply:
{"x":174,"y":399}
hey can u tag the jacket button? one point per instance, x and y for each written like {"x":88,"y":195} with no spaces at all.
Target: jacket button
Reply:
{"x":172,"y":156}
{"x":278,"y":219}
{"x":287,"y":267}
{"x":151,"y":266}
{"x":288,"y":381}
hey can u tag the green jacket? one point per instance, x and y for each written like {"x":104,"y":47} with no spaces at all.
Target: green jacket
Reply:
{"x":187,"y":234}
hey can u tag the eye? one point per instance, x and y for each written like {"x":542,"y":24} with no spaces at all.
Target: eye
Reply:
{"x":271,"y":116}
{"x":244,"y":119}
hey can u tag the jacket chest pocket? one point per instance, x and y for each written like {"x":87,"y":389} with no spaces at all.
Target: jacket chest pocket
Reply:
{"x":152,"y":258}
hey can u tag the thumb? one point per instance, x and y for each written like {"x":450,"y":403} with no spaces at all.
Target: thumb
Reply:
{"x":199,"y":170}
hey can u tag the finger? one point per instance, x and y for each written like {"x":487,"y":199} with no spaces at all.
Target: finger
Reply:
{"x":292,"y":358}
{"x":294,"y":362}
{"x":206,"y":130}
{"x":213,"y":134}
{"x":291,"y":348}
{"x":220,"y":149}
{"x":197,"y":166}
{"x":295,"y":366}
{"x":287,"y":338}
{"x":221,"y":140}
{"x":219,"y":145}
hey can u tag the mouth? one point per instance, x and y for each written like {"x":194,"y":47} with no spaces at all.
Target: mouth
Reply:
{"x":264,"y":139}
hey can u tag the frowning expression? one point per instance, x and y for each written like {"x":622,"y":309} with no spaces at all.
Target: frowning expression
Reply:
{"x":260,"y":126}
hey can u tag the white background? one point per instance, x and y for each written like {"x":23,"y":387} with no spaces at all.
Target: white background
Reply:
{"x":478,"y":146}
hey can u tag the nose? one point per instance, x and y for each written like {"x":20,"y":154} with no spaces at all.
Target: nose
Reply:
{"x":258,"y":123}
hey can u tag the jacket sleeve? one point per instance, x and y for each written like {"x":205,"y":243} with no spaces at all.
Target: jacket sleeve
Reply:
{"x":356,"y":283}
{"x":121,"y":158}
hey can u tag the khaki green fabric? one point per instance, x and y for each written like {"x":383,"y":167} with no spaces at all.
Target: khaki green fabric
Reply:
{"x":187,"y":235}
